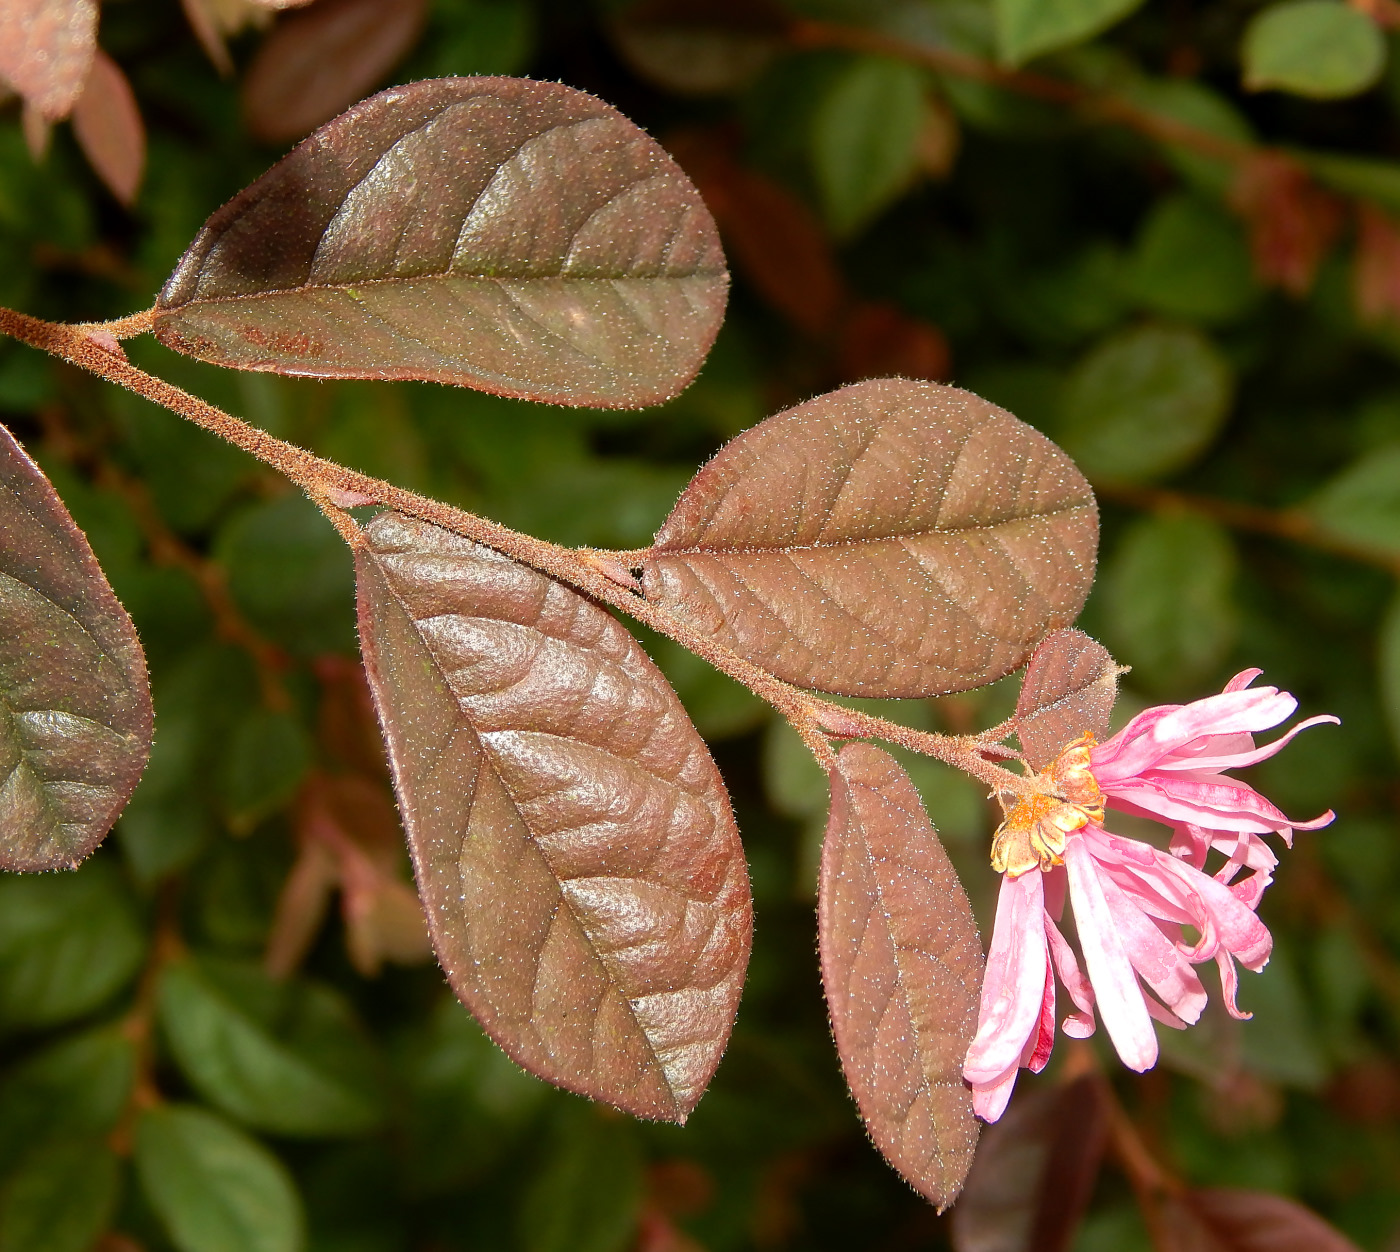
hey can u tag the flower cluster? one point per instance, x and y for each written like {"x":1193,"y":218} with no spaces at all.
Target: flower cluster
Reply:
{"x":1133,"y":904}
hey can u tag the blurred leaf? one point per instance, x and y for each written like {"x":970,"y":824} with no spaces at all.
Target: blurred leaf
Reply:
{"x":290,"y":573}
{"x":1168,"y":599}
{"x":267,"y":757}
{"x":720,"y":707}
{"x":60,"y":1199}
{"x":865,"y":132}
{"x":574,"y":845}
{"x":318,"y":62}
{"x":73,"y":1089}
{"x":1389,"y":665}
{"x":1192,"y":262}
{"x":1028,"y":28}
{"x":284,"y":1057}
{"x":860,"y":543}
{"x":1070,"y":685}
{"x":1280,"y":1042}
{"x":1318,"y":48}
{"x":537,"y":269}
{"x":1357,"y":176}
{"x":795,"y":783}
{"x":1145,"y":402}
{"x":902,"y":968}
{"x":68,"y":943}
{"x":699,"y":47}
{"x":481,"y":36}
{"x":1362,"y":503}
{"x":75,"y":703}
{"x":214,"y":1188}
{"x":1232,"y":1220}
{"x":1035,"y":1171}
{"x":46,"y":47}
{"x":588,"y":1191}
{"x":107,"y":123}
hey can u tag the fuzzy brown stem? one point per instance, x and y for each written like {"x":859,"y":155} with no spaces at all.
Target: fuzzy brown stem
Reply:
{"x":333,"y":486}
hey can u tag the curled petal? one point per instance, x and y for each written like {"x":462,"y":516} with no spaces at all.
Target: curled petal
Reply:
{"x":1156,"y":733}
{"x":1242,"y":680}
{"x":989,"y":1099}
{"x":1240,"y":759}
{"x":1042,"y":1040}
{"x":1013,"y":987}
{"x":1078,"y":1025}
{"x":1116,"y":989}
{"x":1230,"y":985}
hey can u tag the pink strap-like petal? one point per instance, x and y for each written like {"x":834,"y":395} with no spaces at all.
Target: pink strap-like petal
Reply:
{"x":1230,"y":986}
{"x":1143,"y":742}
{"x":1079,"y":1025}
{"x":1155,"y":957}
{"x":1013,"y":986}
{"x":1241,"y":680}
{"x":989,"y":1099}
{"x":1239,"y":760}
{"x":1042,"y":1040}
{"x":1116,"y":987}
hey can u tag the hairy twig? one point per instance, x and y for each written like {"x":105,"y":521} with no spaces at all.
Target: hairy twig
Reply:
{"x":336,"y":488}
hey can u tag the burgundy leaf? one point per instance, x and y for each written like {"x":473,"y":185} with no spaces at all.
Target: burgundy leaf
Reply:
{"x":585,"y":885}
{"x":1224,"y":1219}
{"x":893,"y":538}
{"x":1035,"y":1171}
{"x":46,"y":47}
{"x":318,"y":62}
{"x":108,"y":126}
{"x":519,"y":237}
{"x":902,"y":967}
{"x":75,"y":704}
{"x":1070,"y":685}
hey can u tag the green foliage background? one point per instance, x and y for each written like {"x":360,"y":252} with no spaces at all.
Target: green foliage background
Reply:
{"x":1247,"y":446}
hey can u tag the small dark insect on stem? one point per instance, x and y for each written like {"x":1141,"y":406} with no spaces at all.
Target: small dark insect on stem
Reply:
{"x":602,"y":575}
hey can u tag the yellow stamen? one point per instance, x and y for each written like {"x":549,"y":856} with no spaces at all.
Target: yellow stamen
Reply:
{"x":1035,"y":830}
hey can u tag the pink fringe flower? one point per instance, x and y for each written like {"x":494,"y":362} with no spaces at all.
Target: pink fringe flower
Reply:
{"x":1131,"y":901}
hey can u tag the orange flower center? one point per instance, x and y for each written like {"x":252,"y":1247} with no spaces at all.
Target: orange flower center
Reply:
{"x":1034,"y":832}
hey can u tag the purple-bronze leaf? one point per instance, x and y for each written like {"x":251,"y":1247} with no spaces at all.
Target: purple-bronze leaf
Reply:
{"x":1035,"y":1171}
{"x":902,"y":967}
{"x":520,"y":237}
{"x":75,"y":703}
{"x":1227,"y":1219}
{"x":584,"y":881}
{"x":892,"y":538}
{"x":1070,"y":685}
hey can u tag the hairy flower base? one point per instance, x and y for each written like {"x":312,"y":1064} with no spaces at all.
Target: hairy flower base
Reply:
{"x":1132,"y":902}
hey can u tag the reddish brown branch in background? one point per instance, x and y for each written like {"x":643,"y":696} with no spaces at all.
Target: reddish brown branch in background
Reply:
{"x":138,"y":1025}
{"x":168,"y":549}
{"x":1291,"y":524}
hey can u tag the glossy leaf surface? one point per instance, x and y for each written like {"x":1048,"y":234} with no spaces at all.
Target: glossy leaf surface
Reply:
{"x":46,"y":47}
{"x":519,"y":237}
{"x":1068,"y":691}
{"x":902,"y":967}
{"x":1035,"y":1171}
{"x":317,"y":63}
{"x":75,"y":703}
{"x":893,"y":538}
{"x":585,"y":886}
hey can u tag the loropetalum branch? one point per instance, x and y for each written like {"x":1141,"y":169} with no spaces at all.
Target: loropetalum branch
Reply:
{"x":600,"y":575}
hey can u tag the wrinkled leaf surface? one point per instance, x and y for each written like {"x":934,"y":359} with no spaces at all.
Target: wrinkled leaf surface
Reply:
{"x":1035,"y":1171}
{"x":893,"y":538}
{"x":46,"y":47}
{"x":519,"y":237}
{"x":317,"y":63}
{"x":902,"y":967}
{"x":585,"y":886}
{"x":75,"y":703}
{"x":1070,"y":685}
